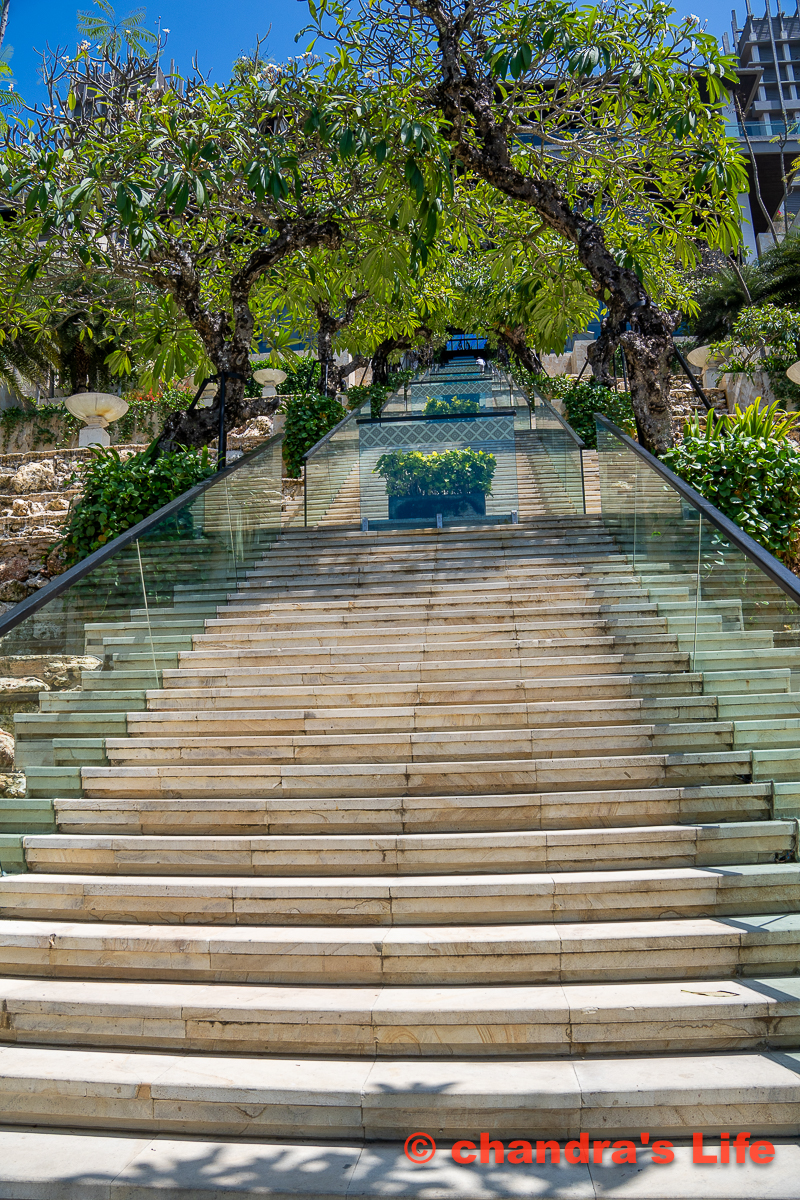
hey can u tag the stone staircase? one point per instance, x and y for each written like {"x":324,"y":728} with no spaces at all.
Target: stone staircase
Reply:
{"x":441,"y":830}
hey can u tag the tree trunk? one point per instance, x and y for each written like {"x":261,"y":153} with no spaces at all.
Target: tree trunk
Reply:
{"x":228,"y":337}
{"x":380,"y":358}
{"x":649,"y":350}
{"x":514,"y":339}
{"x":327,"y":327}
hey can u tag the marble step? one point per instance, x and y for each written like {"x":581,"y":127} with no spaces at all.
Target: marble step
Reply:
{"x":44,"y":1165}
{"x":463,"y":653}
{"x":416,"y":718}
{"x":426,"y":746}
{"x":619,"y":807}
{"x":385,"y":613}
{"x":409,"y":777}
{"x":531,"y":663}
{"x":254,"y":1096}
{"x":34,"y":732}
{"x":401,"y":900}
{"x":508,"y":691}
{"x":559,"y":1020}
{"x":261,"y":634}
{"x":407,"y":576}
{"x":491,"y":600}
{"x":530,"y":552}
{"x":671,"y":947}
{"x":496,"y":851}
{"x":523,"y":589}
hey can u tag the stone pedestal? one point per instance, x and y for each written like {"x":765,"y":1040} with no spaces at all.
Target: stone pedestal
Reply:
{"x":93,"y":435}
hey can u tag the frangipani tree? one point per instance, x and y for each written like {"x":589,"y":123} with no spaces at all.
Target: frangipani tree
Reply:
{"x":193,"y":193}
{"x":606,"y":123}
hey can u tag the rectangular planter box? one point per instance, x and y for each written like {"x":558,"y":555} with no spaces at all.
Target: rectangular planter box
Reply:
{"x":404,"y":508}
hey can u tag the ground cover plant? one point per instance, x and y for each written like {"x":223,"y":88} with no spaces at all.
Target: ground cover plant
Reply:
{"x":445,"y":473}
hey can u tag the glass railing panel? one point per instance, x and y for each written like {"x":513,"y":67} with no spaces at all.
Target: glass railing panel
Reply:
{"x":101,"y":640}
{"x":490,"y":432}
{"x":331,"y":474}
{"x":727,"y":612}
{"x":557,"y":458}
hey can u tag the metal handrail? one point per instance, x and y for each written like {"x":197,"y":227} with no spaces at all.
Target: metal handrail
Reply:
{"x":766,"y":562}
{"x":62,"y":583}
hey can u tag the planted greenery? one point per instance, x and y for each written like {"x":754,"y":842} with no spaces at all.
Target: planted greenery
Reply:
{"x":377,"y":393}
{"x":309,"y":416}
{"x":451,"y":472}
{"x":747,"y":466}
{"x":765,"y":338}
{"x":582,"y":399}
{"x":446,"y":408}
{"x":118,"y":493}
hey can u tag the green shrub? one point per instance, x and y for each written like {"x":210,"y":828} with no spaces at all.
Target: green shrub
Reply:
{"x":309,"y":416}
{"x":747,"y":467}
{"x":302,"y":375}
{"x":582,"y":400}
{"x":119,"y":493}
{"x":377,"y":393}
{"x":451,"y":473}
{"x":445,"y":408}
{"x":147,"y":411}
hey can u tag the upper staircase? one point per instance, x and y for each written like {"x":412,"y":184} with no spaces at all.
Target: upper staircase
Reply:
{"x":449,"y":830}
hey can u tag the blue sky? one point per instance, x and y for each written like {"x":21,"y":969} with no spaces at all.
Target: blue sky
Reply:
{"x":218,"y":31}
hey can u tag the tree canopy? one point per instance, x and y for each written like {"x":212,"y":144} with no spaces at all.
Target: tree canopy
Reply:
{"x":604,"y":125}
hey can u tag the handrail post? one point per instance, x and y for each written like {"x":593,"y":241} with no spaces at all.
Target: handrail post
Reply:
{"x":698,"y":391}
{"x":222,"y":441}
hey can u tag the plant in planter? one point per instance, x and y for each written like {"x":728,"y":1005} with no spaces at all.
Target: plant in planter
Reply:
{"x":454,"y":483}
{"x":448,"y":408}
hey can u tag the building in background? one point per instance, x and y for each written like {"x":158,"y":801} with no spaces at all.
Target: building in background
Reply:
{"x":764,"y":115}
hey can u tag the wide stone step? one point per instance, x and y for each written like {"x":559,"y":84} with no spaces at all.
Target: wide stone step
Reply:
{"x":421,"y":717}
{"x":56,"y":1163}
{"x":375,"y":617}
{"x":504,"y":633}
{"x":397,"y":1022}
{"x":530,"y":555}
{"x":463,"y":655}
{"x":332,"y":854}
{"x":404,"y":814}
{"x":365,"y":695}
{"x":259,"y":1097}
{"x":530,"y":664}
{"x":427,"y":746}
{"x":568,"y":896}
{"x":594,"y":952}
{"x":524,"y":590}
{"x":407,"y":778}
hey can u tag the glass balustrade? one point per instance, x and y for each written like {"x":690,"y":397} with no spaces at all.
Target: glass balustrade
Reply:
{"x":559,"y":462}
{"x":729,"y":602}
{"x":112,"y":624}
{"x":331,"y":471}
